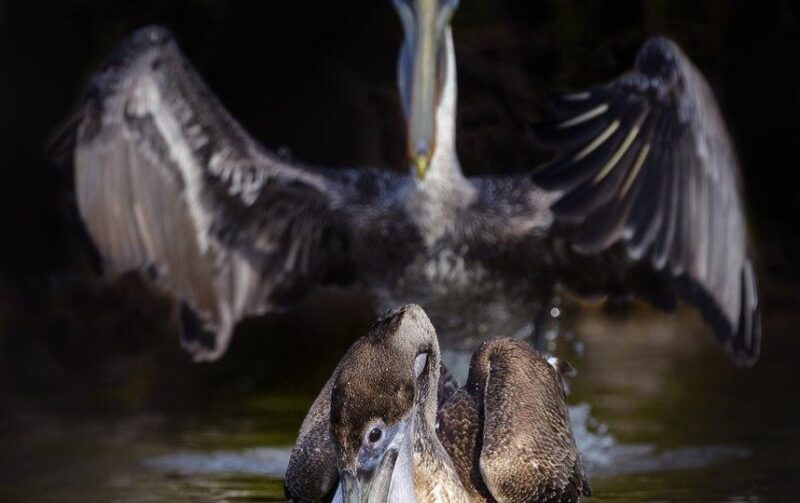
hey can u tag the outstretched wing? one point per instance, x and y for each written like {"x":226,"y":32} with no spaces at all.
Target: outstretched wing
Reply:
{"x":645,"y":164}
{"x":168,"y":182}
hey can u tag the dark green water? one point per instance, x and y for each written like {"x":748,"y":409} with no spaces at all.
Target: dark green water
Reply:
{"x":659,"y":411}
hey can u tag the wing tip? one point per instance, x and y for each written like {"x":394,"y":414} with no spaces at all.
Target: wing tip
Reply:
{"x":203,"y":342}
{"x":742,"y":337}
{"x":659,"y":42}
{"x":146,"y":37}
{"x":140,"y":42}
{"x":747,"y":355}
{"x":79,"y":126}
{"x":655,"y":51}
{"x":745,"y":345}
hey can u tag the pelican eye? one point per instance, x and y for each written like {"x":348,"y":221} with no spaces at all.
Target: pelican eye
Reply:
{"x":374,"y":435}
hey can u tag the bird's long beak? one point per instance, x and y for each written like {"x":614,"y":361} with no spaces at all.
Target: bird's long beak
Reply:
{"x":425,"y":24}
{"x":418,"y":76}
{"x":421,"y":123}
{"x":391,"y":472}
{"x":371,"y":487}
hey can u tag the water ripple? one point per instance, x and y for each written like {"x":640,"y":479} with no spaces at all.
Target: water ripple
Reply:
{"x":602,"y":455}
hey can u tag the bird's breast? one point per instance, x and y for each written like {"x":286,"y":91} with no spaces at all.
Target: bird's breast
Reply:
{"x":466,"y":299}
{"x":433,"y":481}
{"x":472,"y":277}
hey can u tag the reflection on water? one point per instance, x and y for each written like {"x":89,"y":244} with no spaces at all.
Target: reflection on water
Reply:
{"x":602,"y":456}
{"x":658,"y":413}
{"x":266,"y":461}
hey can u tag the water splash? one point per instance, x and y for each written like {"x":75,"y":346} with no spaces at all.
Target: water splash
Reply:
{"x":603,"y":456}
{"x":595,"y":443}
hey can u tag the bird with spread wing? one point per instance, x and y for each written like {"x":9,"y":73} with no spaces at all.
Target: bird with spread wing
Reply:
{"x":642,"y":198}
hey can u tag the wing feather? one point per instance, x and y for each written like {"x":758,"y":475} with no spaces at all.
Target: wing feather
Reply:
{"x":166,"y":180}
{"x":669,"y":198}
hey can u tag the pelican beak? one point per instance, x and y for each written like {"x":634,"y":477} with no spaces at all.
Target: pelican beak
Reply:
{"x":372,"y":487}
{"x":421,"y":162}
{"x":419,"y":75}
{"x":378,"y":473}
{"x":349,"y":488}
{"x":421,"y":124}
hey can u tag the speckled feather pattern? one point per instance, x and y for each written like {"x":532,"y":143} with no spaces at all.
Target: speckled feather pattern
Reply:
{"x":508,"y":430}
{"x":504,"y":436}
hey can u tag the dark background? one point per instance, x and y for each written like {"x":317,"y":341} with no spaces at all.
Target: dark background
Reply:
{"x":317,"y":79}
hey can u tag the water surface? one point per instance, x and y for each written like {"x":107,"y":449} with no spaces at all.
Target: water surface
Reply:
{"x":659,"y":413}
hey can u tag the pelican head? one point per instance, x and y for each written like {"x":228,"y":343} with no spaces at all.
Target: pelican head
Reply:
{"x":422,"y":72}
{"x":385,"y":388}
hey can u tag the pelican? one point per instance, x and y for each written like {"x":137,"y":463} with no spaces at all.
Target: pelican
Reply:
{"x":641,"y":199}
{"x":376,"y":432}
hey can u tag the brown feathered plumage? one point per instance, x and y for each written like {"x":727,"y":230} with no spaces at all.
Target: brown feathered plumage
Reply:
{"x":505,"y":435}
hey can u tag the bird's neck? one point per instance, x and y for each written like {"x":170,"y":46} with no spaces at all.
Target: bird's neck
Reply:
{"x":444,"y":166}
{"x":434,"y":472}
{"x":444,"y":173}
